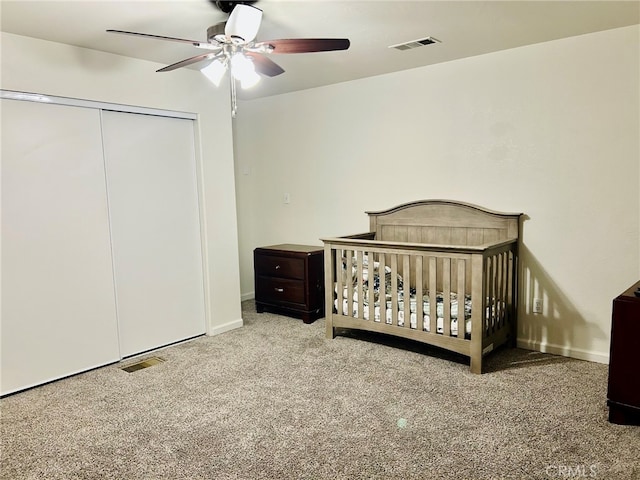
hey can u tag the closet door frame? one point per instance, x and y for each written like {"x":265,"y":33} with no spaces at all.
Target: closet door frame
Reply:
{"x":106,"y":106}
{"x":77,"y":102}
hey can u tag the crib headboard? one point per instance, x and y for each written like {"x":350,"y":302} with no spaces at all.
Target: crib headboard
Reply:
{"x":443,"y":222}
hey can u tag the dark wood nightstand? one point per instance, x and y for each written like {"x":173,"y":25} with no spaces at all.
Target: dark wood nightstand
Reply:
{"x":290,"y":279}
{"x":624,"y":364}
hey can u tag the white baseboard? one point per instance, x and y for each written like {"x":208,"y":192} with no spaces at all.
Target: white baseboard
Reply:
{"x":218,"y":329}
{"x":564,"y":351}
{"x":247,"y":296}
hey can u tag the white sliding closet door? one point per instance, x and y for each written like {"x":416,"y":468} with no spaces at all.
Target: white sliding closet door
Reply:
{"x":58,"y":306}
{"x":155,"y":229}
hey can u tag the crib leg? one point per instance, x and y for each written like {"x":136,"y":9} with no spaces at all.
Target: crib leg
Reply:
{"x":476,"y":364}
{"x":330,"y":332}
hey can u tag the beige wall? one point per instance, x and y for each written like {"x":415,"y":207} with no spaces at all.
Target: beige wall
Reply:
{"x":37,"y":66}
{"x":550,"y":130}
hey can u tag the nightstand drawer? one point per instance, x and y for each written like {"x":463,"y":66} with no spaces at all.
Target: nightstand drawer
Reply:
{"x":278,"y":290}
{"x":272,"y":265}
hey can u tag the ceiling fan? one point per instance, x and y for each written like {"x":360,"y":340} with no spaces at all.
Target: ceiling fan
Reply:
{"x":232,"y":45}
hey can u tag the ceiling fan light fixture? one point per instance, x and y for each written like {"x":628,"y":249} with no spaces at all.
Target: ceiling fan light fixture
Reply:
{"x":243,"y":22}
{"x":249,"y":80}
{"x":243,"y":69}
{"x":215,"y":71}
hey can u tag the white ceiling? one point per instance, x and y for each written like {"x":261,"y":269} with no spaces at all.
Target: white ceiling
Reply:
{"x":464,"y":28}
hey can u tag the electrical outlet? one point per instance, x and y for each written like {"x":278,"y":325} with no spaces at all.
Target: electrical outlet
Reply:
{"x":537,"y":305}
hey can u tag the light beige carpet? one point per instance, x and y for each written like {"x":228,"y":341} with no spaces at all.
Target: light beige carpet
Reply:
{"x":276,"y":400}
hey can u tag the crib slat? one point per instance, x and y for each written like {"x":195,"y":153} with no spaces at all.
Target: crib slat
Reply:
{"x":359,"y":286}
{"x":506,"y":289}
{"x":496,"y":300}
{"x":502,"y":289}
{"x":462,"y":322}
{"x":497,"y":273}
{"x":432,"y":295}
{"x":382,"y":291}
{"x":371,"y":277}
{"x":349,"y":275}
{"x":511,"y":285}
{"x":340,"y":270}
{"x":419,"y":301}
{"x":446,"y":296}
{"x":499,"y":293}
{"x":492,"y":295}
{"x":394,"y":289}
{"x":406,"y":275}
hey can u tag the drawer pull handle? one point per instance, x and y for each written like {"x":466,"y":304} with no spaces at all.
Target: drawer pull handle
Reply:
{"x":279,"y":290}
{"x":277,"y":267}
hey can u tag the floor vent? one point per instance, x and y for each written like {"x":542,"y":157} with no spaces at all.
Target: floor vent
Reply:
{"x":139,"y":365}
{"x":415,"y":43}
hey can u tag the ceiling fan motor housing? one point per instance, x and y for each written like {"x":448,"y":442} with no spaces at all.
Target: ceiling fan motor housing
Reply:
{"x":214,"y":30}
{"x":227,"y":6}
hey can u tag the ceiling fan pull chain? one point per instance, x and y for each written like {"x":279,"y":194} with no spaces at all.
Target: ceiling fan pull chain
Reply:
{"x":234,"y":103}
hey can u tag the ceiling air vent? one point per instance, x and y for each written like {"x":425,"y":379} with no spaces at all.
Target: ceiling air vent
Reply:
{"x":415,"y":43}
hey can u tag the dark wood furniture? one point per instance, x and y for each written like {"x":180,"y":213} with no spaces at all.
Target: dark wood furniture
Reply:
{"x":290,"y":279}
{"x":624,"y":360}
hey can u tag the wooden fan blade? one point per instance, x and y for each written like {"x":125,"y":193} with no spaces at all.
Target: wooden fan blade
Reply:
{"x":195,"y":43}
{"x":188,"y":61}
{"x":304,"y":45}
{"x":264,"y":65}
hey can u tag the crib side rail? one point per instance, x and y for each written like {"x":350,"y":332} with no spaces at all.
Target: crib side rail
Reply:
{"x":441,"y":277}
{"x":363,"y":240}
{"x":500,"y":287}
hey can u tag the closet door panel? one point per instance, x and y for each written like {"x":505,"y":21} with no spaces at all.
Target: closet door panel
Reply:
{"x":58,"y":305}
{"x":153,"y":203}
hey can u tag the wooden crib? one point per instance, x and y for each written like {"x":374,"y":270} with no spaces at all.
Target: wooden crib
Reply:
{"x":450,"y":277}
